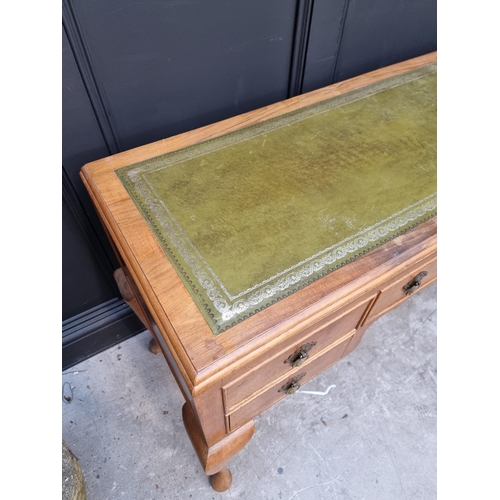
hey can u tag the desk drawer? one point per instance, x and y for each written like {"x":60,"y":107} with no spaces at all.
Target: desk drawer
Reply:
{"x":395,"y":292}
{"x":277,"y":391}
{"x":295,"y":356}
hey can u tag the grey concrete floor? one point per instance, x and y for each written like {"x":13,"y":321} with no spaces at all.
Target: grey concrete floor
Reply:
{"x":370,"y":433}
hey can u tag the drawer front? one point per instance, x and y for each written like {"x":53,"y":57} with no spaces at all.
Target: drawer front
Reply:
{"x":296,"y":355}
{"x":405,"y":286}
{"x":277,"y":391}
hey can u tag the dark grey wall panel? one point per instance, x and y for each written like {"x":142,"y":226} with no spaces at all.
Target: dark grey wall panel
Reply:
{"x":324,"y":41}
{"x":87,"y":264}
{"x":378,"y":33}
{"x":82,"y":140}
{"x":164,"y":67}
{"x":84,"y":283}
{"x":87,"y":259}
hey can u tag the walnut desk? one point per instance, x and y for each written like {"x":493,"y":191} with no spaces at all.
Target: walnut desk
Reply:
{"x":258,"y":250}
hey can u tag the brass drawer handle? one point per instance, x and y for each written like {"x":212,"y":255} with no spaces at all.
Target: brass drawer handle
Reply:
{"x":414,"y":284}
{"x":292,"y":386}
{"x":300,"y":355}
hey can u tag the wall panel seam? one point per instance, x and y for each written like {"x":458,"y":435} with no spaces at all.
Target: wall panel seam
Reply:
{"x":301,"y":36}
{"x":83,"y":61}
{"x":339,"y":40}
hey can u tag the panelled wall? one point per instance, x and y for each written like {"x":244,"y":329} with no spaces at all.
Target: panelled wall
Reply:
{"x":135,"y":72}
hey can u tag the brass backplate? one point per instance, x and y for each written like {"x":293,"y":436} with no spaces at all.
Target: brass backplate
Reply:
{"x":292,"y":383}
{"x":414,"y":284}
{"x":300,"y":352}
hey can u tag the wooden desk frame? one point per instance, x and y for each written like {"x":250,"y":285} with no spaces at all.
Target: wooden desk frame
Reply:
{"x":205,"y":366}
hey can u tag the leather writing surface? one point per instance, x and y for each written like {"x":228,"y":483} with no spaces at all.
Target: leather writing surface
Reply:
{"x":252,"y":216}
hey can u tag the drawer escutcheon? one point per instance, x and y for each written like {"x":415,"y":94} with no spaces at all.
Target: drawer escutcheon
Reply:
{"x":292,"y":386}
{"x":414,"y":284}
{"x":300,"y":355}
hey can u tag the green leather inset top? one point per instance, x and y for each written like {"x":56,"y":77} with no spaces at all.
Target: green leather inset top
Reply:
{"x":252,"y":216}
